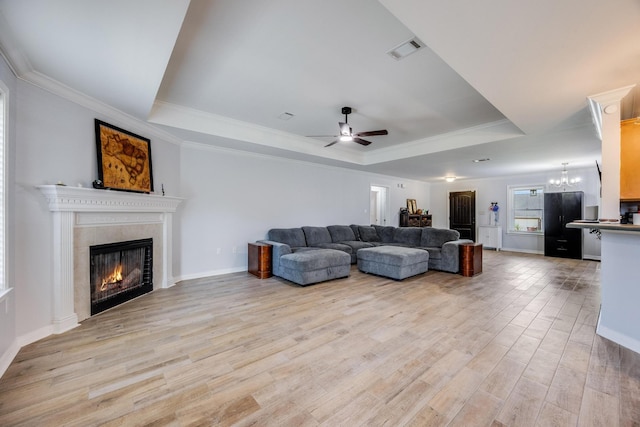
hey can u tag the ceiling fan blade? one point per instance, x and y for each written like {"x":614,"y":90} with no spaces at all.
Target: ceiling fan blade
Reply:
{"x":331,"y":143}
{"x":373,"y":133}
{"x":345,"y":130}
{"x":322,"y":136}
{"x":361,"y":141}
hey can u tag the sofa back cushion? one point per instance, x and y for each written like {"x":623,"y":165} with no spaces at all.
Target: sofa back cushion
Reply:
{"x":316,"y":235}
{"x":356,"y":231}
{"x":385,"y":232}
{"x":341,"y":233}
{"x":293,"y":237}
{"x":368,"y":234}
{"x":409,"y":236}
{"x":436,"y":237}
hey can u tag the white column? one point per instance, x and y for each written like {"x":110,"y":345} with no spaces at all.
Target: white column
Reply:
{"x":167,"y":251}
{"x":64,"y":316}
{"x":605,"y":108}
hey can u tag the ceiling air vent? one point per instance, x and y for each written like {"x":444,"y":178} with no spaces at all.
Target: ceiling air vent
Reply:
{"x":405,"y":49}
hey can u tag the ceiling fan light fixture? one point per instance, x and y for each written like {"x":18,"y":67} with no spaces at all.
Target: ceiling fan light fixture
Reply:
{"x":449,"y":178}
{"x":346,"y":138}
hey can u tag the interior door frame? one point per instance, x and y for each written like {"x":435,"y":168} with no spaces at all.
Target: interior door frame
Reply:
{"x":385,"y":210}
{"x":458,"y":190}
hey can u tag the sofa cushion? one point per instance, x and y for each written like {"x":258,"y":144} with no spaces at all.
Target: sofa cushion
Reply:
{"x":356,"y":244}
{"x":293,"y":237}
{"x":341,"y":233}
{"x":408,"y":236}
{"x":313,"y":266}
{"x":437,"y":236}
{"x":337,"y":246}
{"x":356,"y":231}
{"x":313,"y":260}
{"x":316,"y":235}
{"x":385,"y":232}
{"x":368,"y":234}
{"x":434,"y":253}
{"x":392,"y":261}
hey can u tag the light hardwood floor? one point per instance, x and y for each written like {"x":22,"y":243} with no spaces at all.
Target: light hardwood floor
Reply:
{"x":513,"y":346}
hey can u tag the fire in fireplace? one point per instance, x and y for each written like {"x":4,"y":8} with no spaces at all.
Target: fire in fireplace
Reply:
{"x":120,"y":272}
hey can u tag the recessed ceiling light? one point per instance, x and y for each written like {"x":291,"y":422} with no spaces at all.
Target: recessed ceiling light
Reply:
{"x":285,"y":116}
{"x":486,"y":159}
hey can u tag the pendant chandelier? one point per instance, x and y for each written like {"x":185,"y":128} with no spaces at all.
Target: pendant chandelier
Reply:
{"x":564,"y":180}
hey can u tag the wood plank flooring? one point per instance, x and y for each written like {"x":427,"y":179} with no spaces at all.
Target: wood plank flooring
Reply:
{"x":513,"y":346}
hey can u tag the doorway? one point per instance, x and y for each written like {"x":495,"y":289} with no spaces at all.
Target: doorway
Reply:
{"x":462,"y":213}
{"x":379,"y":205}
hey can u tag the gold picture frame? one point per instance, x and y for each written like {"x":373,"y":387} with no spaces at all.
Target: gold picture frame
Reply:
{"x":412,"y":207}
{"x":124,"y":159}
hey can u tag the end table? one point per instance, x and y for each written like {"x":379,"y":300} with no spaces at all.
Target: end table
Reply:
{"x":260,"y":260}
{"x":470,"y":259}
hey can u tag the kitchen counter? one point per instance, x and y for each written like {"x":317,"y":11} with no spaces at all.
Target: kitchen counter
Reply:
{"x":609,"y":226}
{"x":619,"y":290}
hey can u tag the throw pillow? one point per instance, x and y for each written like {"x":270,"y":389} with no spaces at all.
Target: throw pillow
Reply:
{"x":368,"y":234}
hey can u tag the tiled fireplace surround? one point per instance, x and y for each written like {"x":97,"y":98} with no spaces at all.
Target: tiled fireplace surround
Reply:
{"x":84,"y":217}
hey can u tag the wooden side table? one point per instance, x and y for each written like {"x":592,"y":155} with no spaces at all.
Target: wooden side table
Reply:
{"x":470,"y":259}
{"x":260,"y":260}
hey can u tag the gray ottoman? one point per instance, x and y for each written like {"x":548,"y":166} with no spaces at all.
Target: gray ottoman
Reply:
{"x":314,"y":265}
{"x":393,"y":261}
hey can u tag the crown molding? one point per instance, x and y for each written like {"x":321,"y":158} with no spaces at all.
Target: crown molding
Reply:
{"x":476,"y":135}
{"x":211,"y":124}
{"x":53,"y":86}
{"x":190,"y":119}
{"x":606,"y":102}
{"x":23,"y":70}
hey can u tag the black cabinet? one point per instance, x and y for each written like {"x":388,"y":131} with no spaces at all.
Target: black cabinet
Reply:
{"x":415,"y":220}
{"x":560,"y":209}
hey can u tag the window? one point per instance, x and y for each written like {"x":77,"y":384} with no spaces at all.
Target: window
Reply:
{"x":3,"y":207}
{"x":525,"y":209}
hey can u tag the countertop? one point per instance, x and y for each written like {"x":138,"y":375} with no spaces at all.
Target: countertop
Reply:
{"x":606,"y":226}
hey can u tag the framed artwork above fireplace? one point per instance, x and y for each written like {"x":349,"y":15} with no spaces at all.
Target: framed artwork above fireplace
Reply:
{"x":124,"y":159}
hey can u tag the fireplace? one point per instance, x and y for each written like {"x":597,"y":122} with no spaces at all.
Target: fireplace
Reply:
{"x":85,"y":217}
{"x":120,"y":272}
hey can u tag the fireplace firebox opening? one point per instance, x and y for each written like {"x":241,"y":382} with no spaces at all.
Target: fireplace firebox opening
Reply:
{"x":120,"y":272}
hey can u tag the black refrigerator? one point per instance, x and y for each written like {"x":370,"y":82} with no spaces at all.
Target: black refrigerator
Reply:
{"x":560,"y":209}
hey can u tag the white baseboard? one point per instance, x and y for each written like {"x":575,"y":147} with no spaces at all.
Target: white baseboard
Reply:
{"x":21,"y":341}
{"x":8,"y":356}
{"x":524,"y":251}
{"x":209,"y":274}
{"x":622,"y":339}
{"x":34,"y":336}
{"x":528,"y":251}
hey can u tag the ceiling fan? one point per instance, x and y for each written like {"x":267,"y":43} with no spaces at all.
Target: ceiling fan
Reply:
{"x":346,"y":132}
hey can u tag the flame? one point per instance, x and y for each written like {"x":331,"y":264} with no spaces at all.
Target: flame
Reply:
{"x":114,"y":277}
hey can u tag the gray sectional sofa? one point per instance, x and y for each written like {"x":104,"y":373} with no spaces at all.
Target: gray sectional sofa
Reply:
{"x":307,"y":255}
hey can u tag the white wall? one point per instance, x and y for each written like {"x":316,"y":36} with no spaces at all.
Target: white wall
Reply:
{"x":233,"y":198}
{"x":495,"y":190}
{"x":8,"y":304}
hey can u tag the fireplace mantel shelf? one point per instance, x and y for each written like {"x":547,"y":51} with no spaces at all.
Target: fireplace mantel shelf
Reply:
{"x":80,"y":199}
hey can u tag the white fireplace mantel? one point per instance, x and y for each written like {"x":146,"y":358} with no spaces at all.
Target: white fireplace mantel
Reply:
{"x":76,"y":206}
{"x":80,"y":199}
